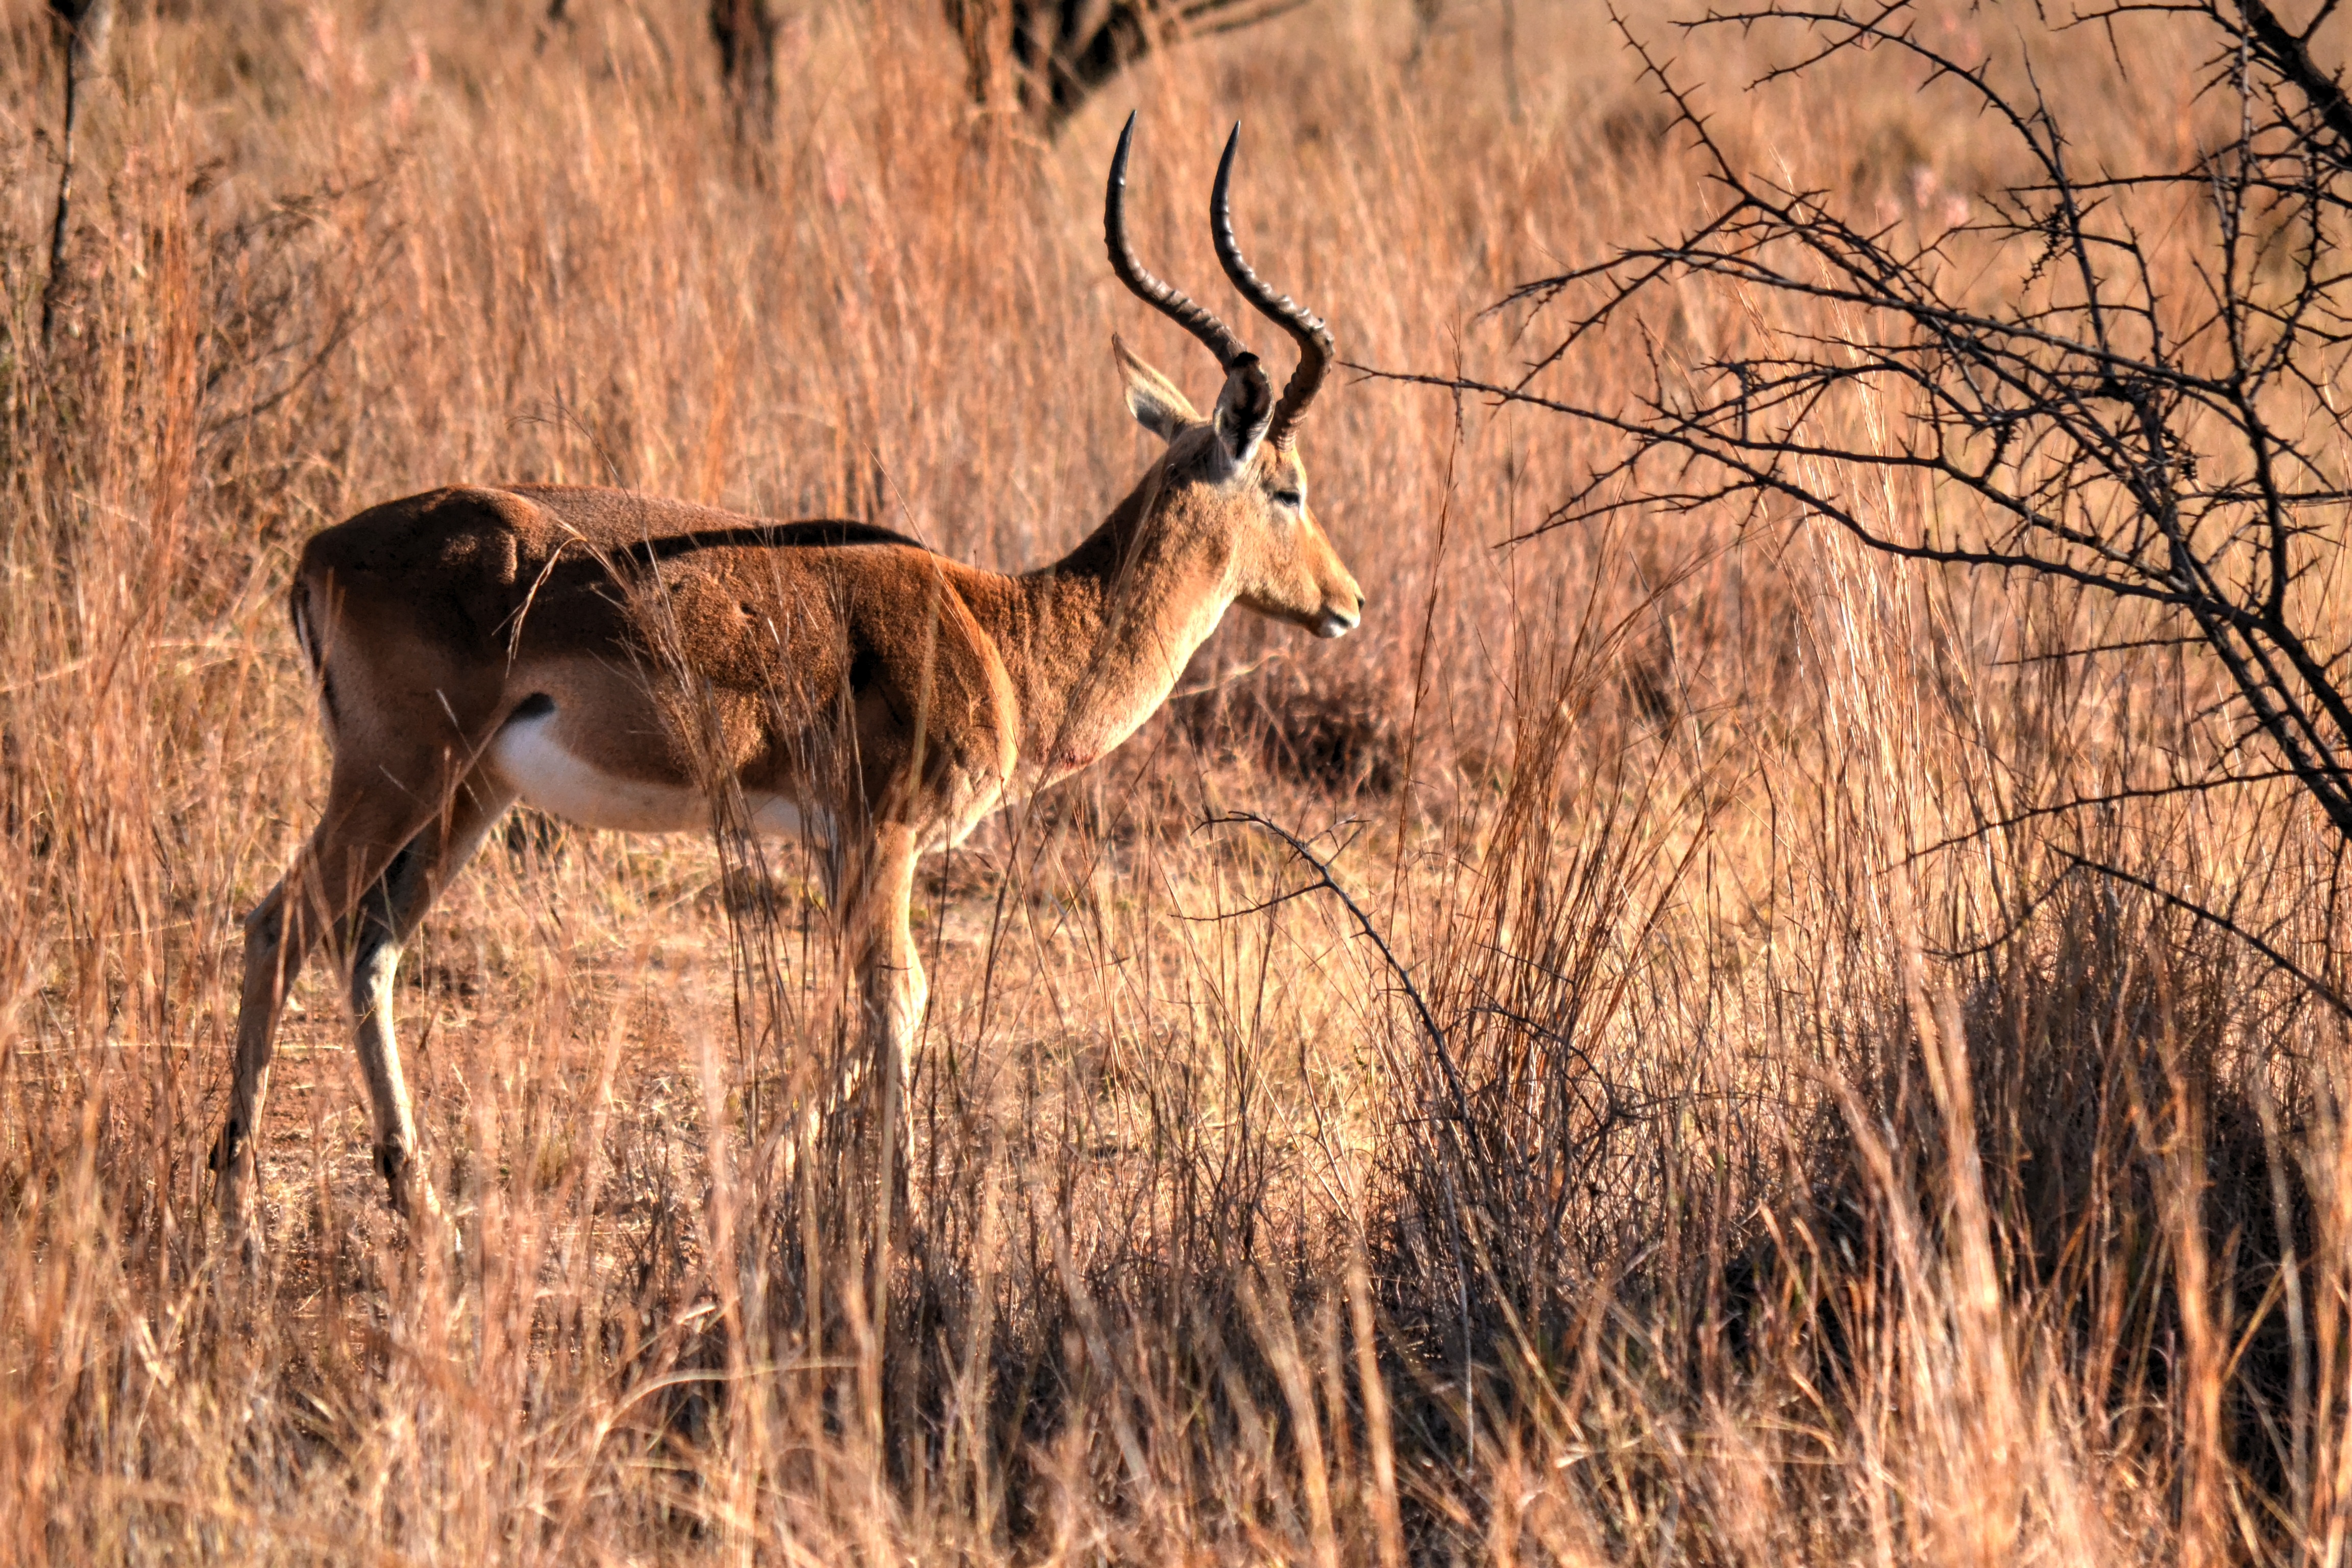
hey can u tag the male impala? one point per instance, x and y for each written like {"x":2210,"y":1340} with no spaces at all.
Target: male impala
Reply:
{"x":627,"y":662}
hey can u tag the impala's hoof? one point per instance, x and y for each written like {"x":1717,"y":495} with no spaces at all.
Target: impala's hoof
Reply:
{"x":233,"y":1194}
{"x":241,"y":1230}
{"x":408,"y":1192}
{"x":400,"y":1177}
{"x":226,"y":1148}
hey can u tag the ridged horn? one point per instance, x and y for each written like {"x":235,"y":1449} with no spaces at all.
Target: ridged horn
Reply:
{"x":1305,"y":327}
{"x":1164,"y":298}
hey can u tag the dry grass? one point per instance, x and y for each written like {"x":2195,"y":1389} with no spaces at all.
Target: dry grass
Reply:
{"x":1725,"y":1215}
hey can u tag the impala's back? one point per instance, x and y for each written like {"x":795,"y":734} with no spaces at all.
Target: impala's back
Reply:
{"x":621,"y":660}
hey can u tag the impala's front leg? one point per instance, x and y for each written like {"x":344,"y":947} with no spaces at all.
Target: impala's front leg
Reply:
{"x":891,"y":990}
{"x":383,"y":923}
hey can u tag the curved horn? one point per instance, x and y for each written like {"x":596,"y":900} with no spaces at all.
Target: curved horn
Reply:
{"x":1161,"y":297}
{"x":1305,"y":327}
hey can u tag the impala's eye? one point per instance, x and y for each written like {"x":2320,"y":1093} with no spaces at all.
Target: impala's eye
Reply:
{"x":1294,"y":500}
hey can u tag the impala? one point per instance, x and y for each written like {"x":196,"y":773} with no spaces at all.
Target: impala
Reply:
{"x":626,"y":662}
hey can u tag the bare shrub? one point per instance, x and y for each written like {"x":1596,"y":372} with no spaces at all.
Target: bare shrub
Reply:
{"x":1334,"y":735}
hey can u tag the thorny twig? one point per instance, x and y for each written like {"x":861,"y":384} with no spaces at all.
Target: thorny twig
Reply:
{"x":2142,"y":407}
{"x":2310,"y":982}
{"x":1326,"y":881}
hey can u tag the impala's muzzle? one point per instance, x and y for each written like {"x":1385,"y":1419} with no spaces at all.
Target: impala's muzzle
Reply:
{"x":1338,"y":621}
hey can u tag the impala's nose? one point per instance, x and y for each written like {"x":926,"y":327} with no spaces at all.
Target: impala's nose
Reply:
{"x":1337,"y":622}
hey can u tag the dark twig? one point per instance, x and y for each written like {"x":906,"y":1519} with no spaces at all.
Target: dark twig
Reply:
{"x":2086,"y":801}
{"x":1326,"y":882}
{"x":2310,"y":982}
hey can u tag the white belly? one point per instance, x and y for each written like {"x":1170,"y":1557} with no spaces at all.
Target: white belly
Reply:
{"x":559,"y":782}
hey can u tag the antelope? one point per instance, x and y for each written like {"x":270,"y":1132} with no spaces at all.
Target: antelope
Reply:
{"x":623,"y":661}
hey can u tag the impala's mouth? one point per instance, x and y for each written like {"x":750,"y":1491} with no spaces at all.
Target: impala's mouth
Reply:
{"x":1337,"y":623}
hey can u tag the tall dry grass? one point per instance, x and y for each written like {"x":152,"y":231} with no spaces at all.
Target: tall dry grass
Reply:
{"x":1708,"y":1167}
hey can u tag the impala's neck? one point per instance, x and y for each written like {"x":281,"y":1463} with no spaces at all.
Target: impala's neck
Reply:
{"x":1096,"y":641}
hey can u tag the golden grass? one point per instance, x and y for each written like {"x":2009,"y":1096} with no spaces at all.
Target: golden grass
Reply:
{"x":1752,"y":1231}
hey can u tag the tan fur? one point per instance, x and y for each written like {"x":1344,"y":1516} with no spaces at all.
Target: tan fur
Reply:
{"x":625,"y":653}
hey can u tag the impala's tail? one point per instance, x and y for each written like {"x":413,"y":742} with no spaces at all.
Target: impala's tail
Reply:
{"x":314,"y":651}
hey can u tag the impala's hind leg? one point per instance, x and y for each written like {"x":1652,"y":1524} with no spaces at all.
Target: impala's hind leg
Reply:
{"x":387,"y":916}
{"x":373,"y":809}
{"x":270,"y":964}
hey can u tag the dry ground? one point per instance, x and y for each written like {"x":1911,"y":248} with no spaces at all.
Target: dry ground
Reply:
{"x":1797,"y":1194}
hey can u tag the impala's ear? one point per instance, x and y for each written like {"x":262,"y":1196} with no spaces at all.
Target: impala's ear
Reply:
{"x":1243,"y":409}
{"x":1151,"y":397}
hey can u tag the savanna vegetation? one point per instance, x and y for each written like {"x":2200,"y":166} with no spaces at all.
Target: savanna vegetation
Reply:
{"x":1692,"y":1035}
